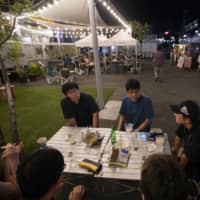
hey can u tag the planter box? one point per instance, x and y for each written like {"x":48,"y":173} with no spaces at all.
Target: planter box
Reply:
{"x":3,"y":94}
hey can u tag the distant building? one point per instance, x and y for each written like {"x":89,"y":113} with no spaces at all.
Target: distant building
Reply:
{"x":190,"y":33}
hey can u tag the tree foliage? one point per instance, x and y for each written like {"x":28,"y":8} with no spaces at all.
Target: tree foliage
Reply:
{"x":7,"y":26}
{"x":15,"y":51}
{"x":139,"y":29}
{"x":7,"y":23}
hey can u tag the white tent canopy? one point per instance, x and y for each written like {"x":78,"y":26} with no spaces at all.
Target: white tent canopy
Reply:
{"x":74,"y":12}
{"x":87,"y":41}
{"x":122,"y":38}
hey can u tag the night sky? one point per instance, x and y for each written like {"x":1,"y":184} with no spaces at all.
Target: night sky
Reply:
{"x":162,"y":14}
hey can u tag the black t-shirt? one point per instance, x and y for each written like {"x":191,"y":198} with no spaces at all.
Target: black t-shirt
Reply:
{"x":82,"y":111}
{"x":192,"y":149}
{"x":182,"y":132}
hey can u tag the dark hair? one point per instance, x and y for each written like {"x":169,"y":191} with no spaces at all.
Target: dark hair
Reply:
{"x":39,"y":172}
{"x":132,"y":84}
{"x":162,"y":178}
{"x":68,"y":86}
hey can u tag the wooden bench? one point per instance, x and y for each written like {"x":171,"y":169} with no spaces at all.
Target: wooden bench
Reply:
{"x":3,"y":94}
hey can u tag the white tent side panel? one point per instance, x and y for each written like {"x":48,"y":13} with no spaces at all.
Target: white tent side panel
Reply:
{"x":87,"y":41}
{"x":122,"y":38}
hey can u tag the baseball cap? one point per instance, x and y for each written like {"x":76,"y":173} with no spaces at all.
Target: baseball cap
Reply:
{"x":188,"y":109}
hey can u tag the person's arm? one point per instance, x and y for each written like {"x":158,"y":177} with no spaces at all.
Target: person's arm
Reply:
{"x":177,"y":144}
{"x":94,"y":110}
{"x":180,"y":134}
{"x":72,"y":122}
{"x":9,"y":191}
{"x":10,"y":159}
{"x":121,"y":121}
{"x":146,"y":123}
{"x":149,"y":113}
{"x":68,"y":113}
{"x":191,"y":150}
{"x":77,"y":193}
{"x":95,"y":120}
{"x":122,"y":115}
{"x":184,"y":160}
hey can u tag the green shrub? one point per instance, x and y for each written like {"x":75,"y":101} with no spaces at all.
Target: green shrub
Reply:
{"x":34,"y":70}
{"x":22,"y":73}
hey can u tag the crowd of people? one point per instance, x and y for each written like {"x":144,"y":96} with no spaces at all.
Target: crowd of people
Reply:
{"x":39,"y":177}
{"x":185,"y":57}
{"x":137,"y":109}
{"x":85,"y":62}
{"x":163,"y":177}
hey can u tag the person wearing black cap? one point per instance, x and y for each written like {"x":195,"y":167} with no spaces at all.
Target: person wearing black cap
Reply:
{"x":187,"y":115}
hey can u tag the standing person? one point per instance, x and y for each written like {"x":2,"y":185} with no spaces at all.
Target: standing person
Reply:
{"x":162,"y":178}
{"x":136,"y":108}
{"x":79,"y":109}
{"x":187,"y":115}
{"x":40,"y":176}
{"x":67,"y":60}
{"x":158,"y":61}
{"x":171,"y":57}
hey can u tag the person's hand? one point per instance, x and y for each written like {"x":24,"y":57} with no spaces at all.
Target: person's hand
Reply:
{"x":173,"y":151}
{"x":12,"y":149}
{"x":10,"y":158}
{"x":77,"y":193}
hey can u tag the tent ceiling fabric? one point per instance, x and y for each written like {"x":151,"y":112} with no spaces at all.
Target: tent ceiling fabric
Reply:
{"x":73,"y":11}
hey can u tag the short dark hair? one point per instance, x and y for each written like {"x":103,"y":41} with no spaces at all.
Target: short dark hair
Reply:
{"x":132,"y":84}
{"x":39,"y":172}
{"x":68,"y":86}
{"x":162,"y":178}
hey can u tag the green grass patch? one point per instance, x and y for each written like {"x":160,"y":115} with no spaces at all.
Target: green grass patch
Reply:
{"x":38,"y":112}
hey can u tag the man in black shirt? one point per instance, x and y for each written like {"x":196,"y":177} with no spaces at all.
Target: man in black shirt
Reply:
{"x":79,"y":109}
{"x":39,"y":176}
{"x":187,"y":116}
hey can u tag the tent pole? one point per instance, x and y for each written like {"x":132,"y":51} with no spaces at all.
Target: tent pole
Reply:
{"x":96,"y":54}
{"x":59,"y":46}
{"x":136,"y":56}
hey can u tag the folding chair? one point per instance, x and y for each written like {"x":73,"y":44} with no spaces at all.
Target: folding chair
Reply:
{"x":66,"y":75}
{"x":51,"y":74}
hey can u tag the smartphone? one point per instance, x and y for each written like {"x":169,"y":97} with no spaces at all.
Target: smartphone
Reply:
{"x":143,"y":137}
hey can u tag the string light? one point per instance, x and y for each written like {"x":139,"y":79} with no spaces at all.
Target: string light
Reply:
{"x":49,"y":5}
{"x":105,"y":4}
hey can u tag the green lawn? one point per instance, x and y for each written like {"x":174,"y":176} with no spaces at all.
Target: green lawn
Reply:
{"x":38,"y":112}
